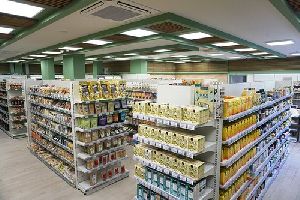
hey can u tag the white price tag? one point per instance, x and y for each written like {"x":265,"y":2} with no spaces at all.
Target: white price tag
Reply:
{"x":181,"y":152}
{"x":183,"y":125}
{"x":146,"y":117}
{"x":152,"y":143}
{"x":166,"y":122}
{"x":175,"y":174}
{"x":140,"y":116}
{"x":146,"y":140}
{"x":152,"y":119}
{"x":159,"y":145}
{"x":190,"y":154}
{"x":172,"y":123}
{"x":167,"y":171}
{"x":135,"y":115}
{"x":182,"y":178}
{"x":191,"y":127}
{"x":153,"y":165}
{"x":190,"y":181}
{"x":159,"y":121}
{"x":159,"y":169}
{"x":174,"y":150}
{"x":165,"y":147}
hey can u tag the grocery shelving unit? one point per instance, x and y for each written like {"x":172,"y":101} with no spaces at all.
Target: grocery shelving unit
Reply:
{"x":81,"y":139}
{"x":263,"y":153}
{"x":12,"y":109}
{"x":205,"y":187}
{"x":296,"y":91}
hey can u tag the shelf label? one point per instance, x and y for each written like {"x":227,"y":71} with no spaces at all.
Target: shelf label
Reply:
{"x":152,"y":119}
{"x":159,"y":121}
{"x":180,"y":151}
{"x":174,"y":150}
{"x":190,"y":181}
{"x":166,"y":122}
{"x":159,"y":145}
{"x":173,"y":123}
{"x":140,"y":116}
{"x":152,"y":143}
{"x":182,"y":178}
{"x":183,"y":125}
{"x":165,"y":147}
{"x":167,"y":171}
{"x":191,"y":127}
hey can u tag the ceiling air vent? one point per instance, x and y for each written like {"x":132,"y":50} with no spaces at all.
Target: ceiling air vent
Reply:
{"x":117,"y":10}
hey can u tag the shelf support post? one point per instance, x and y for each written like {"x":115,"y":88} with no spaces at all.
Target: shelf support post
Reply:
{"x":47,"y":69}
{"x":138,"y":66}
{"x":97,"y":68}
{"x":74,"y":66}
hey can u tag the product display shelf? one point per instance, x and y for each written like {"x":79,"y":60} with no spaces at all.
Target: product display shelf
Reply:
{"x":209,"y":155}
{"x":248,"y":164}
{"x":12,"y":106}
{"x":208,"y":146}
{"x":57,"y":113}
{"x":253,"y":127}
{"x":256,"y":108}
{"x":70,"y":182}
{"x":243,"y":151}
{"x":296,"y":96}
{"x":262,"y":179}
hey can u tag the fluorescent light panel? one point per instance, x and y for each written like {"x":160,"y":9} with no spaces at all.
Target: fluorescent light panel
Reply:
{"x":216,"y":54}
{"x":225,"y":44}
{"x":120,"y":59}
{"x":139,"y":33}
{"x":5,"y":30}
{"x":280,"y":43}
{"x":162,"y":50}
{"x":52,"y":52}
{"x":130,"y":54}
{"x":194,"y":36}
{"x":260,"y":53}
{"x":19,"y":9}
{"x":70,"y":48}
{"x":27,"y":58}
{"x":272,"y":56}
{"x":245,"y":49}
{"x":38,"y":56}
{"x":97,"y":42}
{"x":179,"y":56}
{"x":235,"y":57}
{"x":15,"y":61}
{"x":295,"y":54}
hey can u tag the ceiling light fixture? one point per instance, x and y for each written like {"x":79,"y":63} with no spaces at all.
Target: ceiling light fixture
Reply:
{"x":272,"y":56}
{"x":260,"y":53}
{"x":280,"y":43}
{"x":178,"y":62}
{"x":52,"y":52}
{"x":6,"y":30}
{"x":107,"y":57}
{"x":235,"y":57}
{"x":179,"y":56}
{"x":130,"y":54}
{"x":216,"y":54}
{"x":91,"y":59}
{"x":246,"y":49}
{"x":97,"y":42}
{"x":15,"y":61}
{"x":38,"y":56}
{"x":162,"y":50}
{"x":225,"y":44}
{"x":121,"y":59}
{"x":27,"y":58}
{"x":70,"y":48}
{"x":19,"y":9}
{"x":295,"y":54}
{"x":139,"y":33}
{"x":195,"y":36}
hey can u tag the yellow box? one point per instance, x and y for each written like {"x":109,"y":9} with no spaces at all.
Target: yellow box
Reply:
{"x":196,"y":143}
{"x":196,"y":169}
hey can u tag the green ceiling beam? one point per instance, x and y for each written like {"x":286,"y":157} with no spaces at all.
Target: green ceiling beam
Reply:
{"x":69,"y":9}
{"x":204,"y":28}
{"x":283,"y":7}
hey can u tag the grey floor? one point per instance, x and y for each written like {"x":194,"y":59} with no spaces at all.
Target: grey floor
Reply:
{"x":23,"y":177}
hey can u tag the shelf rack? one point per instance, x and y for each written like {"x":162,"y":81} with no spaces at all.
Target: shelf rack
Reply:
{"x":210,"y":155}
{"x":278,"y":128}
{"x":12,"y":116}
{"x":62,"y":134}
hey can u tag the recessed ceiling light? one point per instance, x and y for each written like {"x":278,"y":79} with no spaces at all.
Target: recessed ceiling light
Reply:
{"x":70,"y":48}
{"x":15,"y":61}
{"x":142,"y":57}
{"x":38,"y":56}
{"x":179,"y":56}
{"x":120,"y":59}
{"x":158,"y":60}
{"x":260,"y":53}
{"x":195,"y":36}
{"x":179,"y":62}
{"x":272,"y":56}
{"x":245,"y":49}
{"x":280,"y":43}
{"x":216,"y":54}
{"x":91,"y":59}
{"x":225,"y":44}
{"x":130,"y":54}
{"x":52,"y":52}
{"x":6,"y":30}
{"x":139,"y":33}
{"x":19,"y":9}
{"x":235,"y":57}
{"x":97,"y":42}
{"x":162,"y":50}
{"x":295,"y":54}
{"x":27,"y":58}
{"x":185,"y":60}
{"x":107,"y":57}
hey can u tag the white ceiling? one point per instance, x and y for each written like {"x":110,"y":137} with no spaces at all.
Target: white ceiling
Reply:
{"x":256,"y":21}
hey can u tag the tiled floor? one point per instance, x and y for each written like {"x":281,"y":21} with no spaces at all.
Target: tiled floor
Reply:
{"x":23,"y":177}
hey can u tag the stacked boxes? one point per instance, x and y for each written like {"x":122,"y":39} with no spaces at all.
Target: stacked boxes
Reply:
{"x":192,"y":114}
{"x":180,"y":139}
{"x":187,"y":167}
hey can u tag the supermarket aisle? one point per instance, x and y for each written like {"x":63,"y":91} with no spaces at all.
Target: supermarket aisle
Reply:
{"x":23,"y":177}
{"x":286,"y":185}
